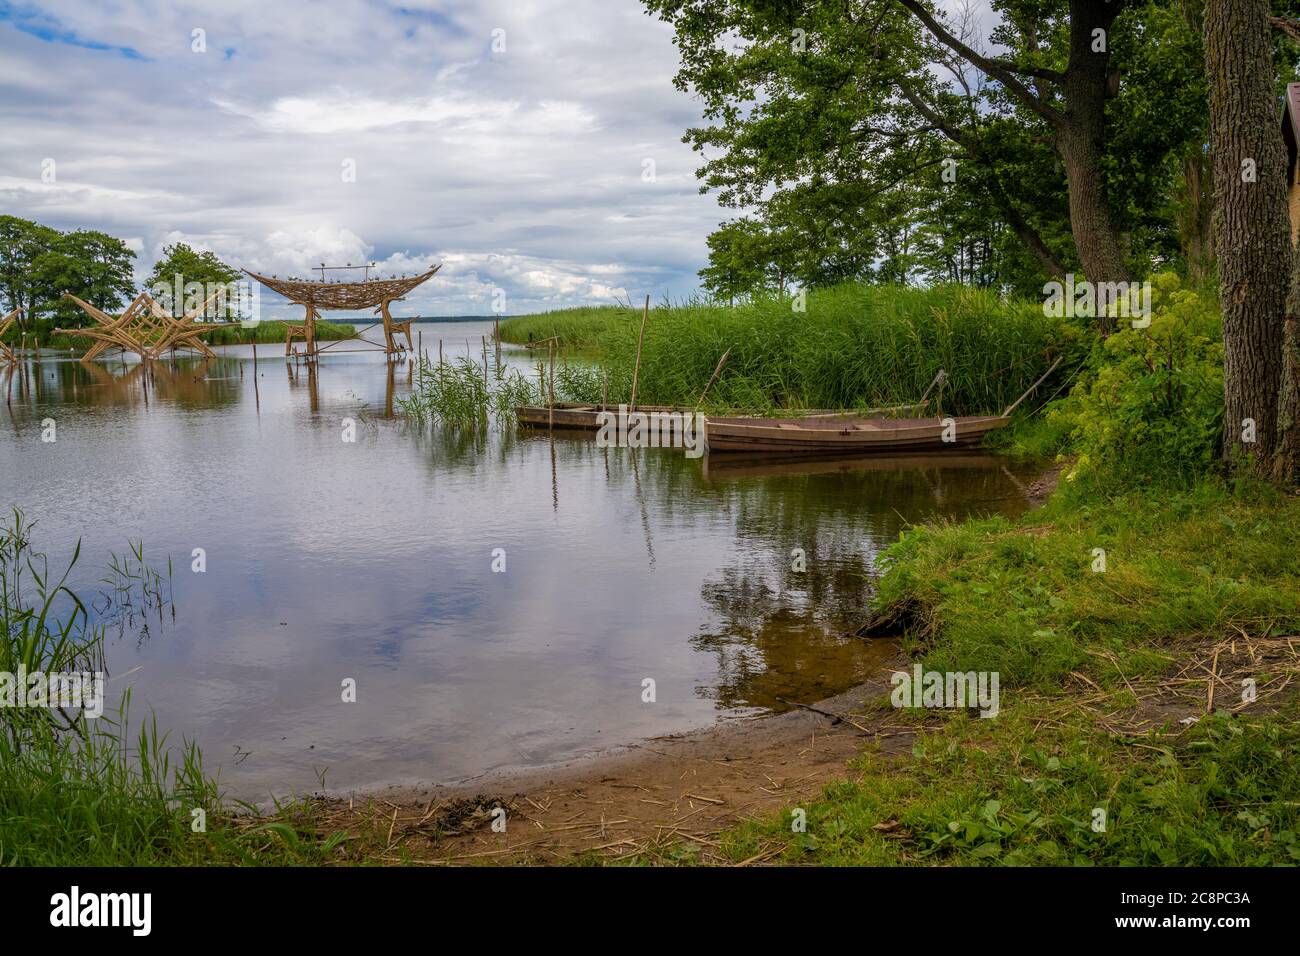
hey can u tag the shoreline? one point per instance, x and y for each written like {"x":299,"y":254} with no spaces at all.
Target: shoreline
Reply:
{"x":631,"y":797}
{"x":622,"y":801}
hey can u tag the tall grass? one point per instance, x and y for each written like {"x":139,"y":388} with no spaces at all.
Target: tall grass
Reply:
{"x":79,"y":790}
{"x":855,"y":346}
{"x":581,"y":328}
{"x":461,"y":393}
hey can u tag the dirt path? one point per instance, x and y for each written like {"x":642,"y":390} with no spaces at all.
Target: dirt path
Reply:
{"x":652,"y":794}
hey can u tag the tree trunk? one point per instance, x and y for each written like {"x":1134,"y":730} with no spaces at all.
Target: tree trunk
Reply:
{"x":1286,"y":460}
{"x":1251,"y":231}
{"x":1081,"y":143}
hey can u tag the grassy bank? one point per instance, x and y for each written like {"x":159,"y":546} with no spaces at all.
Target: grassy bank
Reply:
{"x":1143,"y":626}
{"x":42,"y":335}
{"x":1105,"y":693}
{"x":854,"y":346}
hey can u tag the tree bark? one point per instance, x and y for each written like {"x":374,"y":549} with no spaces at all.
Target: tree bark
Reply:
{"x":1251,"y":230}
{"x":1286,"y":458}
{"x":1081,"y":142}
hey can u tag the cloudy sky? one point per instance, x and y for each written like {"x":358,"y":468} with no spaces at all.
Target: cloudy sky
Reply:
{"x":519,"y":167}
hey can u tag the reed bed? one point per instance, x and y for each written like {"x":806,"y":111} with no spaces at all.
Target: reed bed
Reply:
{"x":854,"y":346}
{"x":462,"y":393}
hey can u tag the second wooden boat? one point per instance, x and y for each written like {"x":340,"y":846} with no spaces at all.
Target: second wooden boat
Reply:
{"x":847,"y":434}
{"x":857,"y":434}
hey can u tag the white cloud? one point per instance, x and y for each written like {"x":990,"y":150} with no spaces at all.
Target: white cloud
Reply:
{"x":519,"y":170}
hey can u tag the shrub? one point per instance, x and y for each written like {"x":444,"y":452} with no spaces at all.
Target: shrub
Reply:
{"x":1150,"y":408}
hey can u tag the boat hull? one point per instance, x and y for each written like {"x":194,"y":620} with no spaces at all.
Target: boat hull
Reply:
{"x":848,"y":435}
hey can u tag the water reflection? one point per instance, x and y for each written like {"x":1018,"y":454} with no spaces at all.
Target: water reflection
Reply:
{"x":374,"y":560}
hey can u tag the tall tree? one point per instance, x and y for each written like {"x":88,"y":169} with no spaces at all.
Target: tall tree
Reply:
{"x":21,"y":243}
{"x":848,"y":89}
{"x":90,"y":264}
{"x":1250,"y":228}
{"x":182,"y":265}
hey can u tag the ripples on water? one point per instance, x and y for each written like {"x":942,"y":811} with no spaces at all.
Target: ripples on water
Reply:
{"x":373,"y":561}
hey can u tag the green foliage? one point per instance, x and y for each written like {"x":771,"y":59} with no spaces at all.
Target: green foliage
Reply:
{"x":41,"y":334}
{"x":855,"y":346}
{"x":1019,"y":792}
{"x":583,"y":328}
{"x":274,"y":332}
{"x":38,"y":264}
{"x":181,"y":266}
{"x":459,"y":394}
{"x":1150,"y":410}
{"x":831,"y":131}
{"x":1181,"y":566}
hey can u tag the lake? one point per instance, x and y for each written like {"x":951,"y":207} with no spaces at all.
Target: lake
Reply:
{"x":373,"y":561}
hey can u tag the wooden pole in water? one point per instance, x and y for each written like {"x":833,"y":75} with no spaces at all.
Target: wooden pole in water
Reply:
{"x":485,"y":360}
{"x":716,"y":372}
{"x":636,"y":371}
{"x":551,"y":388}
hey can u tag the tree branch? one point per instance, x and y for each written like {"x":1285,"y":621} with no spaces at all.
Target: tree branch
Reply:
{"x":1288,"y":25}
{"x":1001,"y":70}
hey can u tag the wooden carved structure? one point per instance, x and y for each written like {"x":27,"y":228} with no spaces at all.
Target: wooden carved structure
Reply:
{"x":146,"y":328}
{"x":7,"y":355}
{"x":314,"y":296}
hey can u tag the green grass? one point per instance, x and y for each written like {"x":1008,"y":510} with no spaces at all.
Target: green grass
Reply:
{"x":1017,"y":791}
{"x":1194,"y":582}
{"x":463,"y":394}
{"x":577,"y":328}
{"x":855,"y":346}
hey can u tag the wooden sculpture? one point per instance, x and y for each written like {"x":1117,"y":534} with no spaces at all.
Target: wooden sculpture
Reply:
{"x":7,"y":355}
{"x":146,"y":328}
{"x":374,"y":294}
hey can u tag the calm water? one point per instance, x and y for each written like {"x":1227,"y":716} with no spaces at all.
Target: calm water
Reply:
{"x":373,"y":561}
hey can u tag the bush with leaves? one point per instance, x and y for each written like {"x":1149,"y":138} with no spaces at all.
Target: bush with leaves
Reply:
{"x":1150,"y":408}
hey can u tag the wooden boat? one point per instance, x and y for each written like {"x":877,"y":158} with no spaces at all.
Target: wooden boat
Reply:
{"x":848,"y":434}
{"x":575,"y":414}
{"x":857,"y":434}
